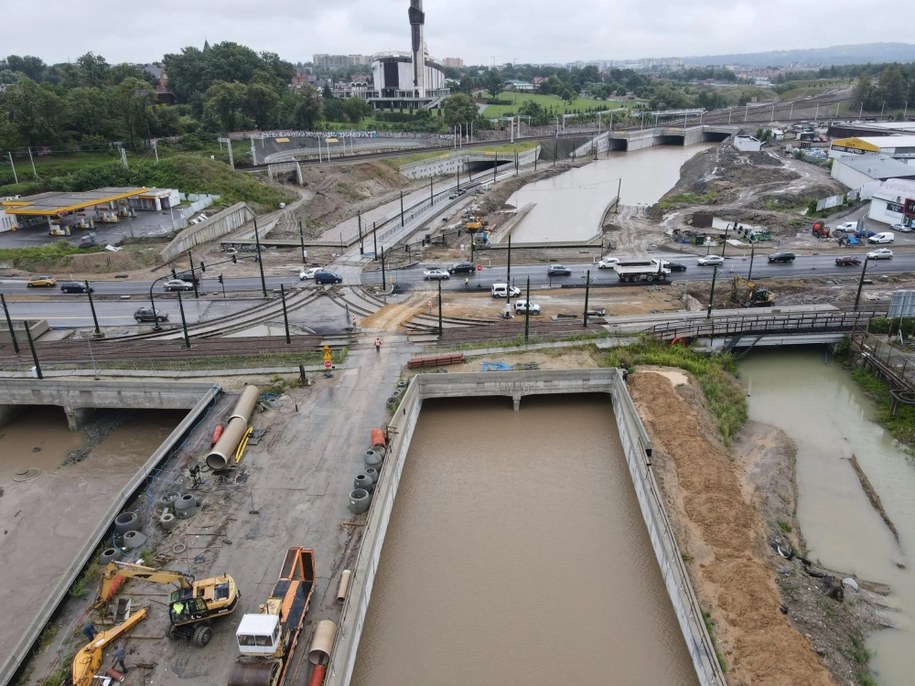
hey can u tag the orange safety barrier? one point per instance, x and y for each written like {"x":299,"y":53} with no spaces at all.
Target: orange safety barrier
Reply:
{"x":378,"y":437}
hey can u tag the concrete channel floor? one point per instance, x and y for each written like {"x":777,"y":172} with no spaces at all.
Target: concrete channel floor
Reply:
{"x":291,"y":489}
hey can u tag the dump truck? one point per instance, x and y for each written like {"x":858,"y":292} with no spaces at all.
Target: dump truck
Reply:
{"x":647,"y":270}
{"x":192,"y":606}
{"x":267,"y":640}
{"x":88,"y":659}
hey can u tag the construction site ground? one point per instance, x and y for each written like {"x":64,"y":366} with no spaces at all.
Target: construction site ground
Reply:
{"x":772,"y":626}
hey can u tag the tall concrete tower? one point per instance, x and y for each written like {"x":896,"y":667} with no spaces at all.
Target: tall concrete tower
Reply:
{"x":417,"y":20}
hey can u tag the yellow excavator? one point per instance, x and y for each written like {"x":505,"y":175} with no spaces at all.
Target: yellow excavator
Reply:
{"x":747,"y":294}
{"x":88,"y":660}
{"x":192,"y":606}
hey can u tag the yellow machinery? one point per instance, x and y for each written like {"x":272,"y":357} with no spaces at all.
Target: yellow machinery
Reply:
{"x":191,"y":607}
{"x":89,"y":658}
{"x":748,"y":294}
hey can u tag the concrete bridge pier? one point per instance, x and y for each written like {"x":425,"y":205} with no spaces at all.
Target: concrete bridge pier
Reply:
{"x":516,"y":402}
{"x":77,"y":417}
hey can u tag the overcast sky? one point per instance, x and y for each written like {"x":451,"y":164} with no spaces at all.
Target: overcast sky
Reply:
{"x":478,"y":31}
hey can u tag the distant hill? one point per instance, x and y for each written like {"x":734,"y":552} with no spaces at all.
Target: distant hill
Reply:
{"x":814,"y":57}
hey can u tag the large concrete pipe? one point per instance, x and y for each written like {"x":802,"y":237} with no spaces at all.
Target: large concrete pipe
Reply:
{"x":244,"y":408}
{"x":225,"y":447}
{"x":323,"y":642}
{"x":343,"y":588}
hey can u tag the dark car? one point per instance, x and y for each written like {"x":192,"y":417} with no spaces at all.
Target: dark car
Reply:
{"x":676,"y":266}
{"x":327,"y":277}
{"x":462,"y":268}
{"x":784,"y":257}
{"x":847,"y":261}
{"x":558,"y":270}
{"x":75,"y":287}
{"x":189,"y":276}
{"x":147,"y":314}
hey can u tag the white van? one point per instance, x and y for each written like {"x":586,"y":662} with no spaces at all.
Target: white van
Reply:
{"x":503,"y":290}
{"x":882,"y":237}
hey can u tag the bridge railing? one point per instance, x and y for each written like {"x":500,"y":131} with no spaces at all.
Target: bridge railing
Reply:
{"x":895,"y":364}
{"x":763,"y":323}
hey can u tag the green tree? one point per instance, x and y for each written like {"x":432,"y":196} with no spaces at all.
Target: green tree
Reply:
{"x":539,"y":116}
{"x":356,"y":109}
{"x":88,"y":113}
{"x":493,"y":82}
{"x":34,"y":112}
{"x":223,"y":107}
{"x":892,"y":85}
{"x":119,"y":72}
{"x":131,"y":99}
{"x":261,"y":103}
{"x":185,"y":71}
{"x":29,"y":66}
{"x":306,"y":111}
{"x":92,"y":69}
{"x":459,"y":109}
{"x":467,"y":85}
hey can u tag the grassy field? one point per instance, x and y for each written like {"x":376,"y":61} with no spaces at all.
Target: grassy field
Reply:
{"x":801,"y":89}
{"x":548,"y":102}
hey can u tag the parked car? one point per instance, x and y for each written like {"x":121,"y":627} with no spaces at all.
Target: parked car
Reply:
{"x":880,"y":254}
{"x":522,"y":307}
{"x":783,"y":257}
{"x":309,"y":273}
{"x":436,"y":274}
{"x":710,"y":260}
{"x":324,"y":277}
{"x":607,"y":262}
{"x":847,"y":261}
{"x":178,"y":285}
{"x":902,"y":228}
{"x":558,"y":270}
{"x":847,"y":227}
{"x":503,"y":290}
{"x":675,"y":266}
{"x":43,"y":281}
{"x":882,"y":237}
{"x":462,"y":268}
{"x":192,"y":277}
{"x":75,"y":287}
{"x":147,"y":314}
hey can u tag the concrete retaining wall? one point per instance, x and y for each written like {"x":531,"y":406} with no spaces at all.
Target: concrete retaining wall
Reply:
{"x":451,"y":164}
{"x":515,"y":385}
{"x":213,"y":228}
{"x":76,"y":397}
{"x":18,"y":654}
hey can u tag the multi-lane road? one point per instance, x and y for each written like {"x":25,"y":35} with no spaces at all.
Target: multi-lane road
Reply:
{"x":116,"y":300}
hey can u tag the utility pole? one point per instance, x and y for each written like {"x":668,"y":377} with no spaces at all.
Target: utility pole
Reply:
{"x":527,"y":318}
{"x":260,"y":261}
{"x":15,"y":175}
{"x":28,"y":334}
{"x":285,"y":313}
{"x":861,"y":282}
{"x":98,"y":331}
{"x":440,"y":329}
{"x":302,"y":243}
{"x":384,"y":283}
{"x":587,"y":292}
{"x":711,"y":295}
{"x":374,"y":242}
{"x":752,"y":255}
{"x":187,"y":340}
{"x":9,"y":323}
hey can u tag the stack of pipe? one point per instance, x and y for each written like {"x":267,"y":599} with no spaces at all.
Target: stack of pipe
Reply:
{"x":235,"y":429}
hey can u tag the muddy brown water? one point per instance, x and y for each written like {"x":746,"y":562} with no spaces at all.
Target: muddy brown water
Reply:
{"x":516,"y":554}
{"x":816,"y":402}
{"x":569,"y":206}
{"x":47,"y":508}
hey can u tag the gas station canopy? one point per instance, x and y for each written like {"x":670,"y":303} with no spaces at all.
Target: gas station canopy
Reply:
{"x":60,"y":204}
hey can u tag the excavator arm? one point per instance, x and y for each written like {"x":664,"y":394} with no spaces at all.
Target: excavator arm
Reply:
{"x":89,"y":658}
{"x":113,"y":570}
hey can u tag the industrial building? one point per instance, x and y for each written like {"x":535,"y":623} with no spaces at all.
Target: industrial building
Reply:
{"x":897,"y":147}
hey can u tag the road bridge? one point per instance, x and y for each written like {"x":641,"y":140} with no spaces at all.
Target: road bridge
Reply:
{"x":764,"y":328}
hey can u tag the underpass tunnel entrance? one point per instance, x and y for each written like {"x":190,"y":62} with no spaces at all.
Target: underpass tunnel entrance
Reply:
{"x":715,"y":136}
{"x":675,"y":139}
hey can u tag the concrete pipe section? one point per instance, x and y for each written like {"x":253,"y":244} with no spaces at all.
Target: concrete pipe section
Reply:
{"x":343,"y":588}
{"x":323,"y":642}
{"x":359,"y":500}
{"x":225,"y":447}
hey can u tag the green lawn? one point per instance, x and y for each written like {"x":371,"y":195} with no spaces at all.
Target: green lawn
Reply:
{"x":548,"y":102}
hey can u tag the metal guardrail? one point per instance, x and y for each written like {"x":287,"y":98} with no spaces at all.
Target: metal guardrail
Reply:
{"x":763,"y":323}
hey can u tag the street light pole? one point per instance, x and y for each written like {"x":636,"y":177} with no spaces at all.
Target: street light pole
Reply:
{"x":260,"y":261}
{"x":752,"y":255}
{"x":9,"y":323}
{"x":861,"y":282}
{"x":711,"y":295}
{"x":98,"y":331}
{"x":724,"y":243}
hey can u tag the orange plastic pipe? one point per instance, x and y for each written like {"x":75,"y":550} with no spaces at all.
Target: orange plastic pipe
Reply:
{"x":317,"y":675}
